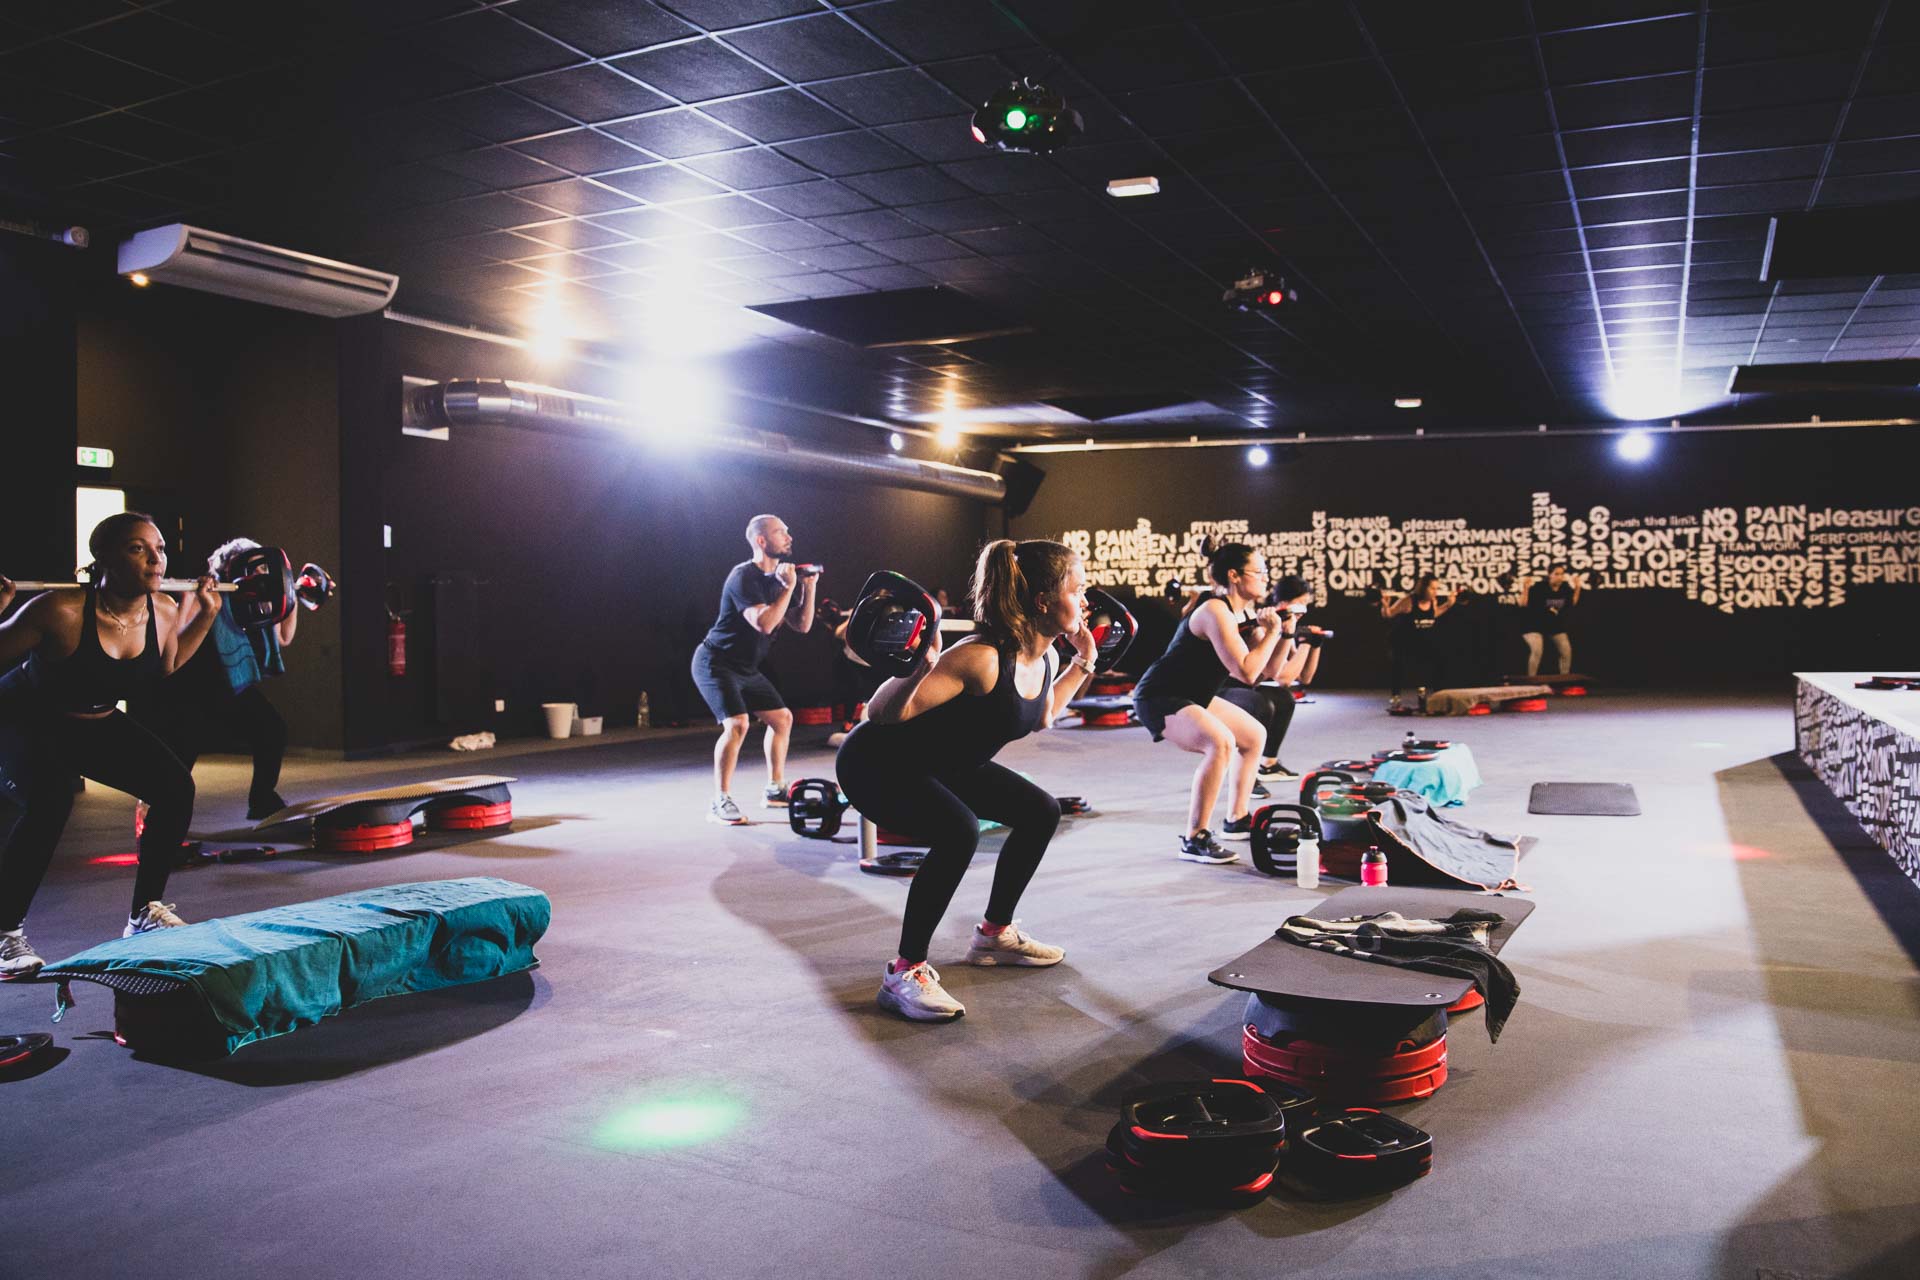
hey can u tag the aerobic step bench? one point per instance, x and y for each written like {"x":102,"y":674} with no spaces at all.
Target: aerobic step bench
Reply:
{"x":207,"y":989}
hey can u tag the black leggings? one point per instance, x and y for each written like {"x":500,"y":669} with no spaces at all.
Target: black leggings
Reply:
{"x":1415,"y":663}
{"x":945,"y":812}
{"x":115,"y":752}
{"x":1273,"y":708}
{"x":184,"y":720}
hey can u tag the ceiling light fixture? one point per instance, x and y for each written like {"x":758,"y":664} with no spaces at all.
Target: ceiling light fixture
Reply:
{"x":1148,"y":186}
{"x":1026,"y":117}
{"x":1406,"y":402}
{"x":139,"y":280}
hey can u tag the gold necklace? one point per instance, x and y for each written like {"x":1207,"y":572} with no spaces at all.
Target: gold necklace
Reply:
{"x":121,"y":622}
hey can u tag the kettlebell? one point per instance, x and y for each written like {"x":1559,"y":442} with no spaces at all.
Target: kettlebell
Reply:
{"x":814,"y":806}
{"x":1277,"y":831}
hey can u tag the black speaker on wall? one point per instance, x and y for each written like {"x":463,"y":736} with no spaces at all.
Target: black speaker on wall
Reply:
{"x":1023,"y":481}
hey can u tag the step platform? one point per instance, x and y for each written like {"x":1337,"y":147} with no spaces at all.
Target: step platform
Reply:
{"x":368,"y":821}
{"x":1283,"y":969}
{"x":1461,"y":702}
{"x":208,"y":989}
{"x":1567,"y":686}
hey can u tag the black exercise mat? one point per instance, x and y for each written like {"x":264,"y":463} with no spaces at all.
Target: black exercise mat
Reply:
{"x":1587,"y":799}
{"x":1285,"y":969}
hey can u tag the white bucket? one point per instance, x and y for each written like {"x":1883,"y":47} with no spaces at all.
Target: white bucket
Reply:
{"x":589,"y":726}
{"x":559,"y":718}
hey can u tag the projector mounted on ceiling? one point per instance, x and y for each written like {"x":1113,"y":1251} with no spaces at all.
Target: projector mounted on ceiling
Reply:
{"x":1259,"y":289}
{"x":196,"y":258}
{"x":1026,"y":117}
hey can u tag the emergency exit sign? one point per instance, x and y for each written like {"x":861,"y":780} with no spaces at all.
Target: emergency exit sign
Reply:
{"x":95,"y":457}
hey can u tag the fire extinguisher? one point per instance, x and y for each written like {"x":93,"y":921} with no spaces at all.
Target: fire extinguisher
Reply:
{"x":396,"y":644}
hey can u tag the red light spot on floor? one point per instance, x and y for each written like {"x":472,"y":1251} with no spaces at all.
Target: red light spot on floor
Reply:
{"x":1748,"y":852}
{"x":116,"y":860}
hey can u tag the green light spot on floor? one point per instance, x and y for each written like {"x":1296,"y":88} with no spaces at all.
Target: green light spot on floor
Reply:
{"x":683,"y":1121}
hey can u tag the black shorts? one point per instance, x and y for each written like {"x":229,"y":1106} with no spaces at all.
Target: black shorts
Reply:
{"x":1154,"y":712}
{"x":729,"y":691}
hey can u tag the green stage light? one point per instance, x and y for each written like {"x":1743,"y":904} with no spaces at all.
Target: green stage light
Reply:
{"x":1016,"y":118}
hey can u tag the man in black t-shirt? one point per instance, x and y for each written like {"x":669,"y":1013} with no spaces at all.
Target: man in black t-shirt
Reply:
{"x":1550,"y":603}
{"x":757,"y":599}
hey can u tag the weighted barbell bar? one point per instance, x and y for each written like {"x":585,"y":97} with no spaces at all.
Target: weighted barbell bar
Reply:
{"x":265,"y":590}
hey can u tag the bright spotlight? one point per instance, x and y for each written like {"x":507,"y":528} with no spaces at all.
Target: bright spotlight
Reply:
{"x":896,"y":442}
{"x":139,"y":280}
{"x":947,"y":435}
{"x":1635,"y":446}
{"x":674,"y":403}
{"x":1258,"y":456}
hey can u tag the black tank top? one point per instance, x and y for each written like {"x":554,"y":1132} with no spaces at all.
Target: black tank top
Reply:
{"x":1189,"y":669}
{"x":961,"y":733}
{"x":88,"y":680}
{"x":1417,"y":622}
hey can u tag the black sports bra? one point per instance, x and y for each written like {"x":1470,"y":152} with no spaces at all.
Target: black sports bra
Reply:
{"x":89,"y":679}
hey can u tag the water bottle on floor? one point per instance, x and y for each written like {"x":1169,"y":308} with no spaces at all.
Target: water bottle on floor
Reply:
{"x":1373,"y":867}
{"x":646,"y":716}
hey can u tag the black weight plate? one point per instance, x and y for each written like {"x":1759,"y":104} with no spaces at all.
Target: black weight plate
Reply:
{"x":17,"y":1049}
{"x":904,"y":863}
{"x":1204,"y":1166}
{"x":1380,"y":1027}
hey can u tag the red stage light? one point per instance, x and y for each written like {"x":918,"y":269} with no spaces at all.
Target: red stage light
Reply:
{"x":1275,"y":297}
{"x":978,"y":135}
{"x":115,"y":860}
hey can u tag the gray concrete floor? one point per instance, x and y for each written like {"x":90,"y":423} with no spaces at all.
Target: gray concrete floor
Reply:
{"x":1712,"y":1070}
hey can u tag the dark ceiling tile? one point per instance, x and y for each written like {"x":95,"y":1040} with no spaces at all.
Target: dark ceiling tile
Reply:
{"x":498,"y":209}
{"x":1496,"y":115}
{"x":583,"y":151}
{"x":571,"y":233}
{"x":778,"y":116}
{"x":1628,"y":144}
{"x":764,"y":266}
{"x":1758,"y":197}
{"x":906,"y":186}
{"x":603,"y":27}
{"x":957,"y":215}
{"x":812,"y":48}
{"x":890,"y":276}
{"x":678,"y":134}
{"x":814,"y":199}
{"x":60,"y":66}
{"x":495,"y":45}
{"x":574,"y":195}
{"x":1605,"y":210}
{"x":1787,"y":28}
{"x":938,"y":139}
{"x":836,"y":257}
{"x":122,"y":131}
{"x":498,"y":167}
{"x":591,"y":94}
{"x":696,"y":71}
{"x":1760,"y":166}
{"x":937,"y":29}
{"x":923,"y":248}
{"x":1147,"y":58}
{"x":786,"y":236}
{"x":153,"y":41}
{"x":1413,"y":29}
{"x":842,"y":153}
{"x":498,"y":115}
{"x":1628,"y":179}
{"x":1471,"y":71}
{"x":647,"y":223}
{"x":717,"y":14}
{"x":1889,"y":116}
{"x":751,"y":169}
{"x":870,"y":226}
{"x":1746,"y":86}
{"x":1776,"y":127}
{"x":1615,"y":52}
{"x":892,"y":96}
{"x":1613,"y":102}
{"x":724,"y":212}
{"x":416,"y":184}
{"x":662,"y":183}
{"x":1890,"y":155}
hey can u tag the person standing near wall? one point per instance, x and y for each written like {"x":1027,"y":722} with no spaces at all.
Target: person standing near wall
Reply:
{"x":221,"y":689}
{"x":757,"y":600}
{"x":1415,"y":640}
{"x":1550,"y":606}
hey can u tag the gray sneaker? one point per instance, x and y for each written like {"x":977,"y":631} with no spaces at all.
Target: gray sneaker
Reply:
{"x":726,"y":812}
{"x":775,"y":796}
{"x":155,"y":915}
{"x":1201,"y":847}
{"x":17,"y":956}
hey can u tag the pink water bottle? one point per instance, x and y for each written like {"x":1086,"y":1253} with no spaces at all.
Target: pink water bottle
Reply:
{"x":1373,"y":866}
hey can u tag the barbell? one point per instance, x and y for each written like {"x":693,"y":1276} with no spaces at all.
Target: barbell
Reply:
{"x":893,"y":624}
{"x":265,"y":588}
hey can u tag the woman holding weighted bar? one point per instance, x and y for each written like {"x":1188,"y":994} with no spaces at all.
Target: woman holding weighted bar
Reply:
{"x":1415,"y":642}
{"x":221,"y":688}
{"x":1270,"y":699}
{"x":922,"y":762}
{"x":79,"y":651}
{"x":1178,"y":697}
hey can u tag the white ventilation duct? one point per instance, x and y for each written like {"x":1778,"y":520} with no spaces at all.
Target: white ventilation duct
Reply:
{"x":496,"y":402}
{"x":195,"y":258}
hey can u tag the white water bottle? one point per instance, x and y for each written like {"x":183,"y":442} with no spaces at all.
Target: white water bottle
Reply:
{"x":1306,"y":867}
{"x":646,"y":716}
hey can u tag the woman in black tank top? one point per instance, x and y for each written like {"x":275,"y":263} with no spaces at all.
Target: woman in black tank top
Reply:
{"x":68,"y":657}
{"x":1178,"y":697}
{"x":922,"y":763}
{"x":1415,"y":619}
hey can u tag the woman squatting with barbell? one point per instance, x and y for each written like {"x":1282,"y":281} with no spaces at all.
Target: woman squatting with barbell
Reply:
{"x":73,"y":654}
{"x":922,"y":763}
{"x":1178,"y":696}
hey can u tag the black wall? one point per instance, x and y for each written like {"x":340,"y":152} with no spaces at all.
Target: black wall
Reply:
{"x":1642,"y":635}
{"x":600,"y":562}
{"x":38,"y":354}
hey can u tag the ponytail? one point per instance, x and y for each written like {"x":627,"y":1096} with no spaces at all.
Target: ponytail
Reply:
{"x":1007,"y":581}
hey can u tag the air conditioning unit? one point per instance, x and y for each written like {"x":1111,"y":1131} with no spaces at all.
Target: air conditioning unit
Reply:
{"x":196,"y":258}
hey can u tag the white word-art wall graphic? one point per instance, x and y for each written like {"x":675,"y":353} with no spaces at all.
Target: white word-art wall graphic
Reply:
{"x":1727,"y":558}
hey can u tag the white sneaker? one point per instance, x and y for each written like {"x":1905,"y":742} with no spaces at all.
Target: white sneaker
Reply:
{"x":155,"y":915}
{"x":726,"y":812}
{"x":1010,"y":946}
{"x":916,"y":993}
{"x":18,"y":959}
